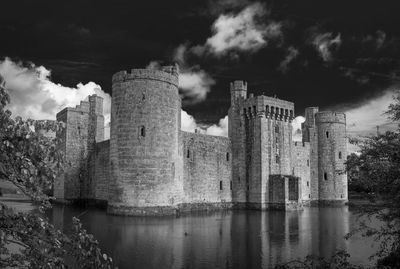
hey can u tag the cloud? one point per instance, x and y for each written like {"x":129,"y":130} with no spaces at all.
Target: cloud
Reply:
{"x":325,"y":44}
{"x":377,"y":40}
{"x":194,"y":84}
{"x":380,"y":38}
{"x":180,"y":54}
{"x":244,"y":31}
{"x":297,"y":133}
{"x":188,"y":124}
{"x":220,"y":129}
{"x":363,"y":119}
{"x":34,"y":95}
{"x":290,"y":56}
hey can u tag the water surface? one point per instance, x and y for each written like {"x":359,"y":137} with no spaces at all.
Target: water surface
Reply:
{"x":225,"y":239}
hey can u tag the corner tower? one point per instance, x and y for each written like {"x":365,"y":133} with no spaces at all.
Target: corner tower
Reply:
{"x":332,"y":148}
{"x":145,"y":124}
{"x":236,"y":131}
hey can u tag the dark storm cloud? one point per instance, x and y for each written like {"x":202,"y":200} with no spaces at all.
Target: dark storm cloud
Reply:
{"x":87,"y":40}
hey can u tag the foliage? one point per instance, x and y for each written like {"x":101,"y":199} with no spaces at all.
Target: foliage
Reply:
{"x":338,"y":260}
{"x":376,"y":170}
{"x":32,"y":161}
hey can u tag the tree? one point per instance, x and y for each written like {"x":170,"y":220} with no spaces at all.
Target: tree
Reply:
{"x":377,"y":170}
{"x":31,"y":161}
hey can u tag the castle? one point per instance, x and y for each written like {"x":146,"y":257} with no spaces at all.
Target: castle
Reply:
{"x":150,"y":167}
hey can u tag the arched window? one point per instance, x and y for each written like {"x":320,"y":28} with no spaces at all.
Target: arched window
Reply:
{"x":231,"y":185}
{"x":325,"y":176}
{"x":327,"y":134}
{"x":188,"y":153}
{"x":340,"y":155}
{"x":220,"y":185}
{"x":227,"y":156}
{"x":308,"y":183}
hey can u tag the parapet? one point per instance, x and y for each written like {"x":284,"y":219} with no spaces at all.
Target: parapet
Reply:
{"x":270,"y":107}
{"x":330,"y":117}
{"x":238,"y":85}
{"x":168,"y":74}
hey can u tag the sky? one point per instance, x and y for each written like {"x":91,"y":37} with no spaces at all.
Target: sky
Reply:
{"x":341,"y":55}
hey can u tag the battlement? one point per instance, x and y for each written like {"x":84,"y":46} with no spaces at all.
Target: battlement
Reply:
{"x":169,"y":74}
{"x":238,"y":85}
{"x":330,"y":117}
{"x":267,"y":106}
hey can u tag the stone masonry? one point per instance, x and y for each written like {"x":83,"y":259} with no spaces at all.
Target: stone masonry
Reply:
{"x":150,"y":167}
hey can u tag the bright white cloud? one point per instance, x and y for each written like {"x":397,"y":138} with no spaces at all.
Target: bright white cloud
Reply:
{"x":194,"y":85}
{"x":188,"y":124}
{"x":220,"y":129}
{"x":244,"y":31}
{"x":296,"y":123}
{"x":325,"y":44}
{"x":34,"y":95}
{"x":364,"y":119}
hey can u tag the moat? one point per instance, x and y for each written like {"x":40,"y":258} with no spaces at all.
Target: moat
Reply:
{"x":223,"y":239}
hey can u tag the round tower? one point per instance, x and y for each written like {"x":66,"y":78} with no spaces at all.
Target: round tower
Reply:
{"x":332,"y":149}
{"x":145,"y":124}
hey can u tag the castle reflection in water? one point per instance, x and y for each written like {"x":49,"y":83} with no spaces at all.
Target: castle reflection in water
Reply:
{"x":224,"y":239}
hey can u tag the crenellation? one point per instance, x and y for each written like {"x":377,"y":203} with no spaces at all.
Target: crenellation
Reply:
{"x":150,"y":167}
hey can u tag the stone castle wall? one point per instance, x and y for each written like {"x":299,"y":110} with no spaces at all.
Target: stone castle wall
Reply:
{"x":150,"y":167}
{"x":101,"y":172}
{"x":145,"y":116}
{"x":74,"y":137}
{"x":207,"y":168}
{"x":301,"y":167}
{"x":332,"y":149}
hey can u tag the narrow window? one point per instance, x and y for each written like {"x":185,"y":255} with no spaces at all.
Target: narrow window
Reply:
{"x":308,"y":183}
{"x":239,"y":179}
{"x":220,"y":185}
{"x":248,"y":187}
{"x":325,"y":176}
{"x":308,"y":162}
{"x":309,"y":196}
{"x":276,"y":140}
{"x":327,"y":134}
{"x":230,"y":185}
{"x":188,"y":154}
{"x":277,"y":158}
{"x":340,"y":154}
{"x":276,"y":129}
{"x":227,"y":156}
{"x":143,"y":96}
{"x":142,"y":131}
{"x":341,"y":196}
